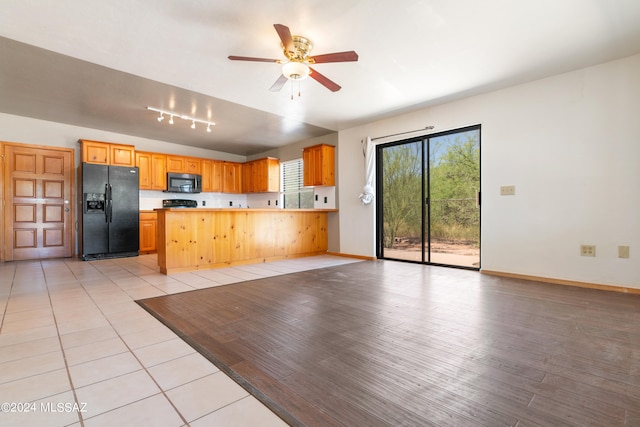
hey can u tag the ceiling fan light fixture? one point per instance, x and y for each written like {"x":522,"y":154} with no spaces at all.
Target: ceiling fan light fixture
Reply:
{"x":297,"y":50}
{"x":295,"y":70}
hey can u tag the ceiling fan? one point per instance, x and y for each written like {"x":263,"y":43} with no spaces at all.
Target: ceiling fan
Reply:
{"x":296,"y":65}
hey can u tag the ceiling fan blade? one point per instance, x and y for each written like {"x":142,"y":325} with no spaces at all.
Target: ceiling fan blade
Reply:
{"x":285,"y":36}
{"x":249,"y":58}
{"x":329,"y":84}
{"x":334,"y":57}
{"x":279,"y":83}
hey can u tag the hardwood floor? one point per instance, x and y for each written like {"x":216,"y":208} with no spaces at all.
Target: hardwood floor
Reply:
{"x":385,"y":343}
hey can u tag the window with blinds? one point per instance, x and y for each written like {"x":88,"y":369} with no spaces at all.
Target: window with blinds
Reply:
{"x":296,"y":196}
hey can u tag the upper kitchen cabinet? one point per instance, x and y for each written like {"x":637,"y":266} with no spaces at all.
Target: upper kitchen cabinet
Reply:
{"x":192,"y":165}
{"x":175,"y":164}
{"x":153,"y":171}
{"x":123,"y":155}
{"x":319,"y":165}
{"x":143,"y":162}
{"x":106,"y":153}
{"x":158,"y":171}
{"x":211,"y":171}
{"x":180,"y":164}
{"x":231,"y":177}
{"x":261,"y":176}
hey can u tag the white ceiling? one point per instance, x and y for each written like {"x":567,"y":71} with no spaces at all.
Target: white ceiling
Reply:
{"x":98,"y":64}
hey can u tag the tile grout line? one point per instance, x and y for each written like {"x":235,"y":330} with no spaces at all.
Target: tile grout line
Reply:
{"x":248,"y":396}
{"x":77,"y":274}
{"x":6,"y":306}
{"x":130,"y":350}
{"x":64,"y":355}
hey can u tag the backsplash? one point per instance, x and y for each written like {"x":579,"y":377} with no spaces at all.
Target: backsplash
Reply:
{"x":153,"y":199}
{"x":150,"y":200}
{"x":325,"y":198}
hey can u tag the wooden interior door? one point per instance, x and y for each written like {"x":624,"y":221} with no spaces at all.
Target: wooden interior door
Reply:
{"x":38,"y":191}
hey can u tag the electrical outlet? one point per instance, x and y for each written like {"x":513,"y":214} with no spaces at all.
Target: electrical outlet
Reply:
{"x":587,"y":250}
{"x":508,"y":190}
{"x":623,"y":251}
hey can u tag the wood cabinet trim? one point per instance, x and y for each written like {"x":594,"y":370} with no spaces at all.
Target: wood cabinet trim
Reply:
{"x":114,"y":154}
{"x":215,"y":178}
{"x":194,"y":239}
{"x":319,"y":165}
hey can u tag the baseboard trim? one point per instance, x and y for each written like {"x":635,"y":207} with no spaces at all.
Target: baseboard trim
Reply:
{"x":368,"y":258}
{"x":564,"y":282}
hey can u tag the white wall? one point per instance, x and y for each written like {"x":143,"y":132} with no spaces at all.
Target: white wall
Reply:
{"x":571,"y":146}
{"x":294,"y":151}
{"x":32,"y":131}
{"x":39,"y":132}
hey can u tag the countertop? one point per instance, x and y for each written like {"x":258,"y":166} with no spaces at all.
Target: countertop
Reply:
{"x":241,"y":210}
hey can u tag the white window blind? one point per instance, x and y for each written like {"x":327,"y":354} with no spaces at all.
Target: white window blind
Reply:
{"x":296,"y":196}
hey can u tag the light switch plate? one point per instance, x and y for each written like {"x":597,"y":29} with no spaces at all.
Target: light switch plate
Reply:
{"x":508,"y":190}
{"x":623,"y":251}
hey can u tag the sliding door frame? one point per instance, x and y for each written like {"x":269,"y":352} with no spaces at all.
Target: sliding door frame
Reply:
{"x":425,"y":194}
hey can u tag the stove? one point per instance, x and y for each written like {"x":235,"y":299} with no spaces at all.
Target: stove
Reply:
{"x":179,"y":203}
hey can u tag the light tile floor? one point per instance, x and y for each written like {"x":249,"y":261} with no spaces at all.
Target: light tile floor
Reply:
{"x":75,"y":349}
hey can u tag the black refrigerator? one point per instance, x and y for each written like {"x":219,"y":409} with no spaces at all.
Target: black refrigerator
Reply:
{"x":110,"y":211}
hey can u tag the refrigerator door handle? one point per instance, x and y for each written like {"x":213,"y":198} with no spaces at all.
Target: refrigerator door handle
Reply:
{"x":110,"y":204}
{"x":106,"y":203}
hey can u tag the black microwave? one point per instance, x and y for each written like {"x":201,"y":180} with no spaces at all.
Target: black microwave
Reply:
{"x":183,"y":183}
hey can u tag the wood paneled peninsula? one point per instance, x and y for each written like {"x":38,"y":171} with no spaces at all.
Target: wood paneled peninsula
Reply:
{"x":200,"y":238}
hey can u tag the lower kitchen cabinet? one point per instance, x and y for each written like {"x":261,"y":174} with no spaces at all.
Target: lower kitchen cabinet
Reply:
{"x":148,"y":232}
{"x":202,"y":238}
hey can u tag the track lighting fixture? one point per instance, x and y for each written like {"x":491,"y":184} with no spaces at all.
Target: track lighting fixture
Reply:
{"x":171,"y":114}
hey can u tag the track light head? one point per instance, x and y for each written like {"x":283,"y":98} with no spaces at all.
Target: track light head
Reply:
{"x":173,"y":114}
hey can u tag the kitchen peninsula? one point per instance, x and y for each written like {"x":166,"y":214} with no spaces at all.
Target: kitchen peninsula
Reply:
{"x":199,"y":238}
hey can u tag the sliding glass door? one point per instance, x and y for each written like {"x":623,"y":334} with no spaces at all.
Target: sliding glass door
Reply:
{"x":428,"y":193}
